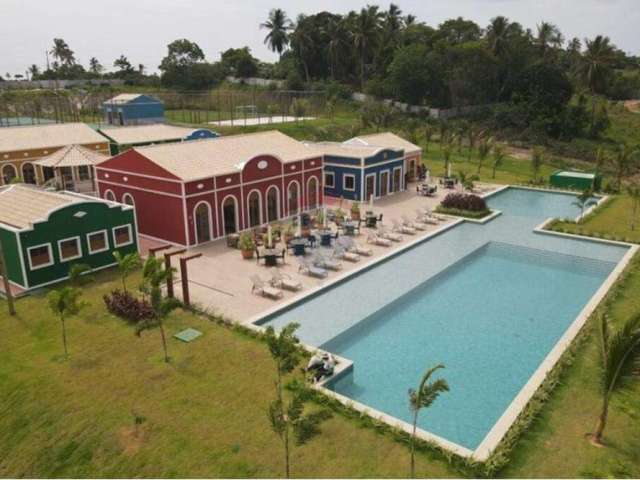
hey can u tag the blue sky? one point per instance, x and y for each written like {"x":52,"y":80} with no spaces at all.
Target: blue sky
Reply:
{"x":141,"y":29}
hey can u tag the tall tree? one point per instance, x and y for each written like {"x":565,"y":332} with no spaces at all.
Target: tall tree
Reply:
{"x":65,"y":302}
{"x":484,"y":148}
{"x":633,"y":191}
{"x":498,"y":159}
{"x":423,"y":397}
{"x":62,"y":53}
{"x":365,"y":30}
{"x":123,"y":65}
{"x":619,"y":353}
{"x":338,"y":45}
{"x":549,"y":36}
{"x":537,"y":159}
{"x":94,"y":66}
{"x":278,"y":25}
{"x":623,"y":162}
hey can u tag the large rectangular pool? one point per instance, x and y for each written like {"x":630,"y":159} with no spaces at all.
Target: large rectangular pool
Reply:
{"x":489,"y":301}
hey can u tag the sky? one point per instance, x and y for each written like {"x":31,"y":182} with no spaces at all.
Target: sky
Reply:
{"x":141,"y":29}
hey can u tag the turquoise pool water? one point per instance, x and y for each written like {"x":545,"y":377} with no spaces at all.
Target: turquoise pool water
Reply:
{"x":489,"y":301}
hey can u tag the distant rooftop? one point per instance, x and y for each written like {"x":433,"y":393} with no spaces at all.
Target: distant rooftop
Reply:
{"x":385,"y":139}
{"x":352,"y":150}
{"x":127,"y":97}
{"x":157,"y":132}
{"x":47,"y":136}
{"x":72,"y":156}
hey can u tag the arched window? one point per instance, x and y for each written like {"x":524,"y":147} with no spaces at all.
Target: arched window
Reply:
{"x":28,"y":173}
{"x":229,"y":215}
{"x":312,"y":193}
{"x":293,"y":194}
{"x":108,"y":195}
{"x":8,"y":173}
{"x":127,"y":199}
{"x":273,"y":204}
{"x":254,"y":207}
{"x":202,"y":219}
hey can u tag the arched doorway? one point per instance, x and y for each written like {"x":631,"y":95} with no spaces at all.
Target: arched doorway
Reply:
{"x":8,"y":173}
{"x":293,"y":194}
{"x":28,"y":173}
{"x":108,"y":195}
{"x":229,"y":215}
{"x":273,"y":204}
{"x":127,"y":199}
{"x":254,"y":208}
{"x":202,"y":220}
{"x":312,"y":193}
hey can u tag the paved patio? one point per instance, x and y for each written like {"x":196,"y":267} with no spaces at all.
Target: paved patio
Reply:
{"x":220,"y":280}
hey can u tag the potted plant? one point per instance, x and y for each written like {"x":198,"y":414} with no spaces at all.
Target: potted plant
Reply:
{"x":246,"y":245}
{"x":355,"y":211}
{"x":339,"y":216}
{"x":288,"y":233}
{"x":319,"y":219}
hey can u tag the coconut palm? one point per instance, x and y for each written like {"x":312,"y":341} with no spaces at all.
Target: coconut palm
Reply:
{"x":601,"y":159}
{"x":623,"y":162}
{"x":62,"y":52}
{"x":338,"y":44}
{"x":634,"y":192}
{"x":537,"y":159}
{"x":582,"y":201}
{"x":65,"y":303}
{"x":484,"y":148}
{"x":549,"y":35}
{"x":429,"y":131}
{"x":595,"y":67}
{"x":423,"y":397}
{"x":446,"y":155}
{"x":498,"y":159}
{"x":302,"y":43}
{"x":127,"y":264}
{"x":365,"y":30}
{"x":620,"y":354}
{"x":278,"y":25}
{"x":498,"y":33}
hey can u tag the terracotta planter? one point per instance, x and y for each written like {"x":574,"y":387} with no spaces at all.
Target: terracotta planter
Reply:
{"x":247,"y":254}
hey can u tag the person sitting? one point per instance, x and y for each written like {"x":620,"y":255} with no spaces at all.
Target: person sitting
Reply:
{"x":321,"y":366}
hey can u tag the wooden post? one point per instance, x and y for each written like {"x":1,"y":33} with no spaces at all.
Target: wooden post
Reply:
{"x":153,"y":250}
{"x":184,"y":277}
{"x":5,"y":281}
{"x":167,"y":266}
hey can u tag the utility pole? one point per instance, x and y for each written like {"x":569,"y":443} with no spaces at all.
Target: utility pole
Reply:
{"x":5,"y":281}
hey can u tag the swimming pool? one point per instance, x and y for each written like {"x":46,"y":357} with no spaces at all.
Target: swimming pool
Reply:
{"x":489,"y":301}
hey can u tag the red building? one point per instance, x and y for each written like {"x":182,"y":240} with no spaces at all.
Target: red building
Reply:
{"x":193,"y":192}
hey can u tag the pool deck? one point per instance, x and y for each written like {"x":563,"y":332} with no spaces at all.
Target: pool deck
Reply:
{"x":219,"y":281}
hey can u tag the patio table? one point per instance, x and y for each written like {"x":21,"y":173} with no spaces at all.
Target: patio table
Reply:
{"x":271,"y":256}
{"x":298,"y":245}
{"x":349,"y":228}
{"x":371,"y":221}
{"x":325,"y":237}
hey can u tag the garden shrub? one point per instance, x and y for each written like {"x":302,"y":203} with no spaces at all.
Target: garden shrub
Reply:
{"x":465,"y":201}
{"x":128,"y":307}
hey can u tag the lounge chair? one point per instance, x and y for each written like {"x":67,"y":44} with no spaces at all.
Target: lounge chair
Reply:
{"x":259,"y":286}
{"x":310,"y":269}
{"x":376,"y":239}
{"x":400,"y":228}
{"x":321,"y":261}
{"x":284,"y":281}
{"x":341,"y":253}
{"x":352,"y":246}
{"x":394,"y":237}
{"x":429,"y":217}
{"x":406,"y":221}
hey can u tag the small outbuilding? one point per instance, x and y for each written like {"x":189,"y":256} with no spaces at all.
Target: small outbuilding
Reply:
{"x":124,"y":138}
{"x":133,"y":109}
{"x":73,"y":168}
{"x":44,"y":233}
{"x":575,"y":180}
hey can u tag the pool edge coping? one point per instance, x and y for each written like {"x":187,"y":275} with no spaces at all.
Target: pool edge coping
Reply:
{"x":500,"y":428}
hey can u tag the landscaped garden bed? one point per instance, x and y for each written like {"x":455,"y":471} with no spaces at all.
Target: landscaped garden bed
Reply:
{"x":465,"y":205}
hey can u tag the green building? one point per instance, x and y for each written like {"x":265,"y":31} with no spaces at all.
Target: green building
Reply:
{"x":575,"y":180}
{"x":44,"y":233}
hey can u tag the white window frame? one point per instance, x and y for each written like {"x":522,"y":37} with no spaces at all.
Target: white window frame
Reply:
{"x":333,"y":179}
{"x":375,"y":186}
{"x":44,"y":265}
{"x":344,"y":182}
{"x":115,"y":241}
{"x":78,"y":242}
{"x":106,"y":241}
{"x":393,"y":172}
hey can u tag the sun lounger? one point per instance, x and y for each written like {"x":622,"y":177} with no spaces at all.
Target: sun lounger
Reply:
{"x":394,"y":237}
{"x":352,"y":246}
{"x":319,"y":260}
{"x":378,"y":240}
{"x":284,"y":281}
{"x":308,"y":268}
{"x":259,"y":286}
{"x":341,"y":253}
{"x":406,"y":221}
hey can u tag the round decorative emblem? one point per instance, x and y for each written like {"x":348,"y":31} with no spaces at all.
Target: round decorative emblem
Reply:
{"x":200,"y":186}
{"x":262,"y":164}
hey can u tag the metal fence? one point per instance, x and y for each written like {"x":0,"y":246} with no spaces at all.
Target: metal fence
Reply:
{"x":60,"y":106}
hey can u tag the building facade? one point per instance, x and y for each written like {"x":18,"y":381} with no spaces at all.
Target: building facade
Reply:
{"x":133,"y":109}
{"x":194,"y":192}
{"x":44,"y":233}
{"x":20,"y":147}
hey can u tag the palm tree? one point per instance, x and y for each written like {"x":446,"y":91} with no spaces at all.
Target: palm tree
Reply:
{"x":484,"y":148}
{"x":620,"y":353}
{"x":600,"y":161}
{"x":34,"y":71}
{"x":78,"y":274}
{"x":423,"y":397}
{"x":623,"y":162}
{"x":498,"y":159}
{"x":127,"y":264}
{"x":429,"y":131}
{"x":64,"y":302}
{"x":549,"y":35}
{"x":302,"y":42}
{"x":62,"y":52}
{"x":595,"y":66}
{"x":498,"y":33}
{"x":634,"y":192}
{"x":278,"y":25}
{"x":537,"y":159}
{"x":153,"y":276}
{"x":94,"y":66}
{"x":446,"y":155}
{"x":365,"y":33}
{"x":582,"y":201}
{"x":338,"y":36}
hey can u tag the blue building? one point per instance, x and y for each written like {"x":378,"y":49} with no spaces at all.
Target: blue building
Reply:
{"x":133,"y":109}
{"x":357,"y":172}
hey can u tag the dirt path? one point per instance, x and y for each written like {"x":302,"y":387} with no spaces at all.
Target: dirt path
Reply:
{"x":633,"y":105}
